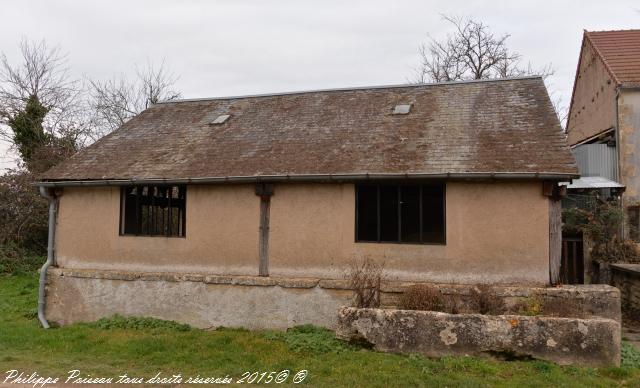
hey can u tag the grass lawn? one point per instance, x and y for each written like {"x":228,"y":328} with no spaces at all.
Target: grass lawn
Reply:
{"x":144,"y":347}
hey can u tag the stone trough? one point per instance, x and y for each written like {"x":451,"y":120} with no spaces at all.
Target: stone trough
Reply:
{"x":591,"y":342}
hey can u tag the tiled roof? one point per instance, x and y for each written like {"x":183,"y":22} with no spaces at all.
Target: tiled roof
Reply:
{"x":490,"y":126}
{"x":620,"y":51}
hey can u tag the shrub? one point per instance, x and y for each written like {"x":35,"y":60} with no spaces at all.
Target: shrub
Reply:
{"x":365,"y":279}
{"x":530,"y":306}
{"x":310,"y":339}
{"x":616,"y":250}
{"x":16,"y":260}
{"x":600,"y":222}
{"x":485,"y":300}
{"x":422,"y":297}
{"x":630,"y":355}
{"x":23,"y":212}
{"x":138,"y":323}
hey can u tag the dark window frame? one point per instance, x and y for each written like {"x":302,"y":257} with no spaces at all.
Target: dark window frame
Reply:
{"x":152,"y":214}
{"x":421,"y":185}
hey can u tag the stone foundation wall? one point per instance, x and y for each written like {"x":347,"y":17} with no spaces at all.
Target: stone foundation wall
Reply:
{"x":592,"y":342}
{"x":198,"y":300}
{"x":260,"y":302}
{"x":626,"y":277}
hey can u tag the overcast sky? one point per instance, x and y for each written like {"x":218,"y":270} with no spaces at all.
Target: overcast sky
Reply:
{"x":232,"y":47}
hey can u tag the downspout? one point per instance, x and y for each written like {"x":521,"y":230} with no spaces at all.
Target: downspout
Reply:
{"x":623,"y":228}
{"x":617,"y":133}
{"x":50,"y":254}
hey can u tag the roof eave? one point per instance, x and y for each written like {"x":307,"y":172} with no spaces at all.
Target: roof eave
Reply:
{"x":311,"y":178}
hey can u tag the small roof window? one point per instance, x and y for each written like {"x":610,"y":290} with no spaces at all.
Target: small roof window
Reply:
{"x":220,"y":119}
{"x":401,"y":109}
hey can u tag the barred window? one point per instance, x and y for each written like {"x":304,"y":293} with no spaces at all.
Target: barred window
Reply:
{"x":153,"y":211}
{"x":400,"y":213}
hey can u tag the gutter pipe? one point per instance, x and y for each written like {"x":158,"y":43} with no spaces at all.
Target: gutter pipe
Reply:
{"x":306,"y":178}
{"x":44,"y":192}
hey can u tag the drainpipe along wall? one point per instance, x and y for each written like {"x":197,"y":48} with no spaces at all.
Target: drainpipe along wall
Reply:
{"x":53,"y":207}
{"x":622,"y":229}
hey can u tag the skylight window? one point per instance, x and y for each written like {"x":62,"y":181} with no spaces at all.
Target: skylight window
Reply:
{"x":401,"y":109}
{"x":220,"y":119}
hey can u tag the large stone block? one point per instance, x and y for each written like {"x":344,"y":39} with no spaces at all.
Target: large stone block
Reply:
{"x":592,"y":342}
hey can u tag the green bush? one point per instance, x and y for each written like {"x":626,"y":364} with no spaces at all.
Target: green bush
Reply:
{"x":17,"y":260}
{"x":310,"y":339}
{"x":630,"y":355}
{"x":137,"y":323}
{"x":23,"y":212}
{"x":601,"y":222}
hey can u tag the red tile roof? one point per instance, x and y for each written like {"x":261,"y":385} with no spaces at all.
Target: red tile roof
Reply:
{"x":620,"y":51}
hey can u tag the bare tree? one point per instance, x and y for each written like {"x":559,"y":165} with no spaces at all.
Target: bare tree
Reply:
{"x":40,"y":104}
{"x":42,"y":73}
{"x":117,"y":100}
{"x":47,"y":114}
{"x":471,"y":52}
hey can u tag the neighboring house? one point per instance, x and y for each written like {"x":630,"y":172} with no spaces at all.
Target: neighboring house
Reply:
{"x":603,"y":125}
{"x":171,"y":213}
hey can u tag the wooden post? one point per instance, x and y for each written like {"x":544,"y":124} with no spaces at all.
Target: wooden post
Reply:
{"x":555,"y":193}
{"x":264,"y":191}
{"x":555,"y":240}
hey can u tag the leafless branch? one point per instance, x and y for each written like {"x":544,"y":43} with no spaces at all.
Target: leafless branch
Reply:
{"x":42,"y":71}
{"x":472,"y":51}
{"x":117,"y":100}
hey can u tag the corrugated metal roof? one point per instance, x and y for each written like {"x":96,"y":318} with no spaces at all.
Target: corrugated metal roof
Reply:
{"x":493,"y":126}
{"x":592,"y":182}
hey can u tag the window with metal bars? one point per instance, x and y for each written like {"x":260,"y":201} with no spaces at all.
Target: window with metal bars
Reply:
{"x":401,"y":213}
{"x":153,"y":211}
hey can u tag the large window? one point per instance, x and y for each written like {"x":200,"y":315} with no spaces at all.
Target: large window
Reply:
{"x":400,"y":213}
{"x":153,"y":211}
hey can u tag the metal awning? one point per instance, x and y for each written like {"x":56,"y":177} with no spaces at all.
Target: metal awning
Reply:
{"x":592,"y":182}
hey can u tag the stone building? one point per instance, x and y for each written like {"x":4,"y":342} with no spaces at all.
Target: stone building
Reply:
{"x":246,"y":211}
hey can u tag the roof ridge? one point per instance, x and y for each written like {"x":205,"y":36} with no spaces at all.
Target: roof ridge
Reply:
{"x":350,"y":88}
{"x":620,"y":30}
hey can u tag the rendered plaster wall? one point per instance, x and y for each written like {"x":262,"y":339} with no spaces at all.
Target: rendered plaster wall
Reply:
{"x":221,"y":233}
{"x":594,"y":108}
{"x":629,"y":124}
{"x":495,"y":232}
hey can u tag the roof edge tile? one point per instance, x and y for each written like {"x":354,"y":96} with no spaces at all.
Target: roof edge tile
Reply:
{"x":373,"y":87}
